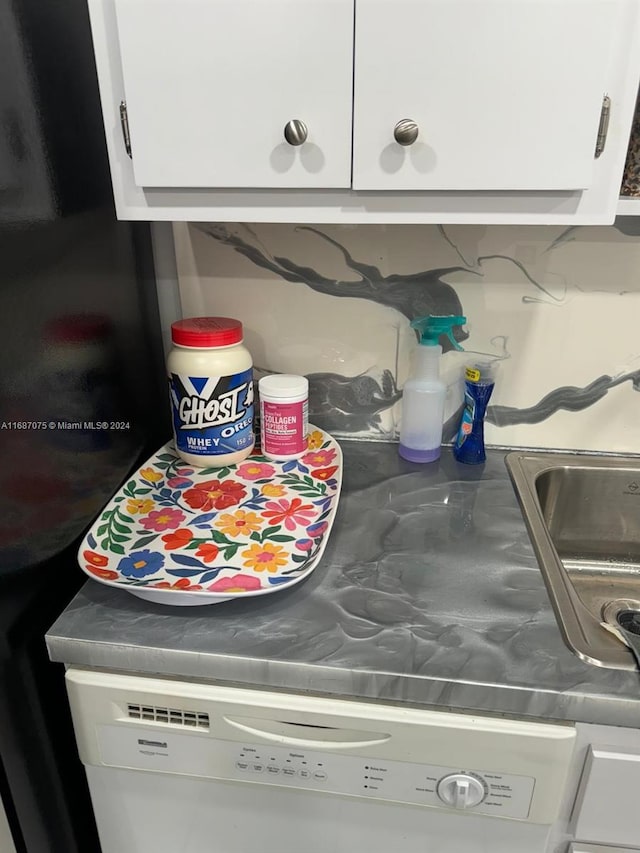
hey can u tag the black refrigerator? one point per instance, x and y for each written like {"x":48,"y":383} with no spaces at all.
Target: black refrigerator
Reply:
{"x":82,"y":396}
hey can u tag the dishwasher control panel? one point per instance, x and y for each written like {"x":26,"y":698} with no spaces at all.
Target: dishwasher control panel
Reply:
{"x":449,"y":762}
{"x":476,"y":789}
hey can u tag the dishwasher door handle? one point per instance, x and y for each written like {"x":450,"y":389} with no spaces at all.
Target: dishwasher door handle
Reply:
{"x":306,"y":734}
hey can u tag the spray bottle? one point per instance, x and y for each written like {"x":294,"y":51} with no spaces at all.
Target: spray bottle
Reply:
{"x":424,"y":392}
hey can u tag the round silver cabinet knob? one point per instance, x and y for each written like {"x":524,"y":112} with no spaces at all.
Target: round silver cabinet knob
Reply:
{"x":295,"y":132}
{"x":406,"y":132}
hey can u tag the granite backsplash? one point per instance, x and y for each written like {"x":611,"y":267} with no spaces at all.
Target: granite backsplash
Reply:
{"x":559,"y":308}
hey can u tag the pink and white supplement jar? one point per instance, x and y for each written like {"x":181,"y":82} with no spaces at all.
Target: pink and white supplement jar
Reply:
{"x":284,"y":407}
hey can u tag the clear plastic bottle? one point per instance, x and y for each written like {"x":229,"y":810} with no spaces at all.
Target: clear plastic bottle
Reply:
{"x":211,"y":391}
{"x":424,"y":393}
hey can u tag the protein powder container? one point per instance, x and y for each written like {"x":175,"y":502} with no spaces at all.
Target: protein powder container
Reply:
{"x":284,"y":410}
{"x":211,"y":391}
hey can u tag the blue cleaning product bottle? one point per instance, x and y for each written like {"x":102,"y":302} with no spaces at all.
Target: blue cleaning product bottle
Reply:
{"x":479,"y":383}
{"x":424,"y":392}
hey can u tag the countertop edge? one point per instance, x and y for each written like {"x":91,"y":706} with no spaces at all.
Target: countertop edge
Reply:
{"x":323,"y":680}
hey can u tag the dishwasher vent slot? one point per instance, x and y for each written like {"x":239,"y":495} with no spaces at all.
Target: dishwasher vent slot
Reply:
{"x":172,"y":716}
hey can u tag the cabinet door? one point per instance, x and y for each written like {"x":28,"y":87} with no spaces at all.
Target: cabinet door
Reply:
{"x":507,"y":94}
{"x":606,"y":807}
{"x":211,"y":84}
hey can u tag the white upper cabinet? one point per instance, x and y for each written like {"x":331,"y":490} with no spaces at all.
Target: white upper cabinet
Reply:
{"x":211,"y":85}
{"x":387,"y":111}
{"x":504,"y":94}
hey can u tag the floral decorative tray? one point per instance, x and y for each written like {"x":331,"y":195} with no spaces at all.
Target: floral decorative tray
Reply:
{"x":182,"y":535}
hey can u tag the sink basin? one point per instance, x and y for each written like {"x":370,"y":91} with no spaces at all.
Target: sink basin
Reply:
{"x":583,"y":515}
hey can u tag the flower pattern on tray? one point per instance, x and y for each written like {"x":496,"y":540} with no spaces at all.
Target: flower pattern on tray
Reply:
{"x":234,"y":531}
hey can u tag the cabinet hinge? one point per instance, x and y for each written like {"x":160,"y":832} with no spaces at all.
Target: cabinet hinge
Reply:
{"x":603,"y":127}
{"x":124,"y":123}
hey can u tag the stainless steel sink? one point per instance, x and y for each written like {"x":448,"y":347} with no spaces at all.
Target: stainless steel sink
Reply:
{"x":583,"y":516}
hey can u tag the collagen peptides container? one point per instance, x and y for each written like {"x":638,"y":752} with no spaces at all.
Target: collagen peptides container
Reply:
{"x":211,"y":390}
{"x":284,"y":406}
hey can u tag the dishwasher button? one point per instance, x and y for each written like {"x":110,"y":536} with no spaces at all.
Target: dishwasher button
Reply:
{"x":271,"y":768}
{"x":304,"y":774}
{"x":257,"y":768}
{"x":288,"y":771}
{"x":319,"y":776}
{"x":242,"y":765}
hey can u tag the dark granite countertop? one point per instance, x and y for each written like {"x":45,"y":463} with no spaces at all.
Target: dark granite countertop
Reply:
{"x":428,"y":593}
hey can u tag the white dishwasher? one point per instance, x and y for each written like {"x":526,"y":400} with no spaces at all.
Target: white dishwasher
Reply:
{"x":181,"y":767}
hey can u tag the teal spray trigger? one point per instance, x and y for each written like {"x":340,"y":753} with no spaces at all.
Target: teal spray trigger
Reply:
{"x":424,"y":392}
{"x":431,"y":328}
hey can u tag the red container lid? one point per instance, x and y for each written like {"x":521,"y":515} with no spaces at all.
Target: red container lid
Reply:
{"x":206,"y":332}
